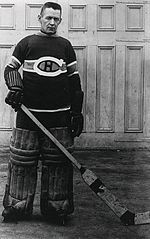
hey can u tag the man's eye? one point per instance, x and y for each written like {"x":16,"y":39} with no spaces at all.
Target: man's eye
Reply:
{"x":56,"y":19}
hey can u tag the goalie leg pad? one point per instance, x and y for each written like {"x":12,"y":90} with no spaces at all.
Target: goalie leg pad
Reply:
{"x":57,"y":176}
{"x":22,"y":170}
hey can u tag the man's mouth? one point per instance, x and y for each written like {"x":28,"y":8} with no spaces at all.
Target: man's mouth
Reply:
{"x":51,"y":28}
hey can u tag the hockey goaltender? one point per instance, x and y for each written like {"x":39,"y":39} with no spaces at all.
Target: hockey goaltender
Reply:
{"x":51,"y":89}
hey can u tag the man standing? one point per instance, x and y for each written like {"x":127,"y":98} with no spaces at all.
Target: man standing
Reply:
{"x":51,"y":89}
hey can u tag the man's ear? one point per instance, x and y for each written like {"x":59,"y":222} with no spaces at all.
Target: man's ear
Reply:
{"x":39,"y":18}
{"x":60,"y":20}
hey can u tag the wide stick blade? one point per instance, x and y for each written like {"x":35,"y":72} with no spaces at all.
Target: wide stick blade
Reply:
{"x":99,"y":188}
{"x":142,"y":218}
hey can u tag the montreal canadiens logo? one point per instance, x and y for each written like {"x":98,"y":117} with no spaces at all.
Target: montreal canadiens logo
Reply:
{"x":50,"y":66}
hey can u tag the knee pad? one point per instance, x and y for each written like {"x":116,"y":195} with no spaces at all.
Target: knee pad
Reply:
{"x":22,"y":171}
{"x":57,"y":176}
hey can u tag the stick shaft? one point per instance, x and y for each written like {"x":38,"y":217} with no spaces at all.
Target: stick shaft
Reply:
{"x":88,"y":176}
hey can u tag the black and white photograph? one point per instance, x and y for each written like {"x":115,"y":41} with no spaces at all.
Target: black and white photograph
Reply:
{"x":75,"y":119}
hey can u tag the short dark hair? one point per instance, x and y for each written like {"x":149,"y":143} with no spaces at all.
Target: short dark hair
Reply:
{"x":53,"y":5}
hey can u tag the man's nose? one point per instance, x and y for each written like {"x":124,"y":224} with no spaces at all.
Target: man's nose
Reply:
{"x":52,"y":22}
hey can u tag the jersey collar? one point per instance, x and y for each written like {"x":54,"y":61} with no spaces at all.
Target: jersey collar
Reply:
{"x":46,"y":35}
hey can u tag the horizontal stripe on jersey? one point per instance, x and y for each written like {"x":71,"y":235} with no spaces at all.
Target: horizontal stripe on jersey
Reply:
{"x":46,"y":66}
{"x":50,"y":111}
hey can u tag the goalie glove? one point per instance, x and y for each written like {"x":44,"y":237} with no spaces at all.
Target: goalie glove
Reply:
{"x":76,"y":124}
{"x":76,"y":115}
{"x":14,"y":98}
{"x":14,"y":83}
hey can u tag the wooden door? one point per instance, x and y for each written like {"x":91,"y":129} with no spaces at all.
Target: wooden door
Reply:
{"x":111,"y":39}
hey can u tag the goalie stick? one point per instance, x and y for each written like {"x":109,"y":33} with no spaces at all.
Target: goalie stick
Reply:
{"x":95,"y":184}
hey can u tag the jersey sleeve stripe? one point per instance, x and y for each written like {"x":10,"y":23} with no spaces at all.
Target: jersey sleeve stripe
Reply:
{"x":72,"y":63}
{"x":10,"y":66}
{"x":74,"y":73}
{"x":15,"y":59}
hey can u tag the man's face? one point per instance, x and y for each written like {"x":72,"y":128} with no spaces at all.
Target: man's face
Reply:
{"x":49,"y":20}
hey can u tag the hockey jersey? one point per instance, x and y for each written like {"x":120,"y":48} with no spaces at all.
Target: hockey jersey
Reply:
{"x":50,"y":75}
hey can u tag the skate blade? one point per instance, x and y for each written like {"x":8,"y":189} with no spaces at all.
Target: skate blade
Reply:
{"x":142,"y":218}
